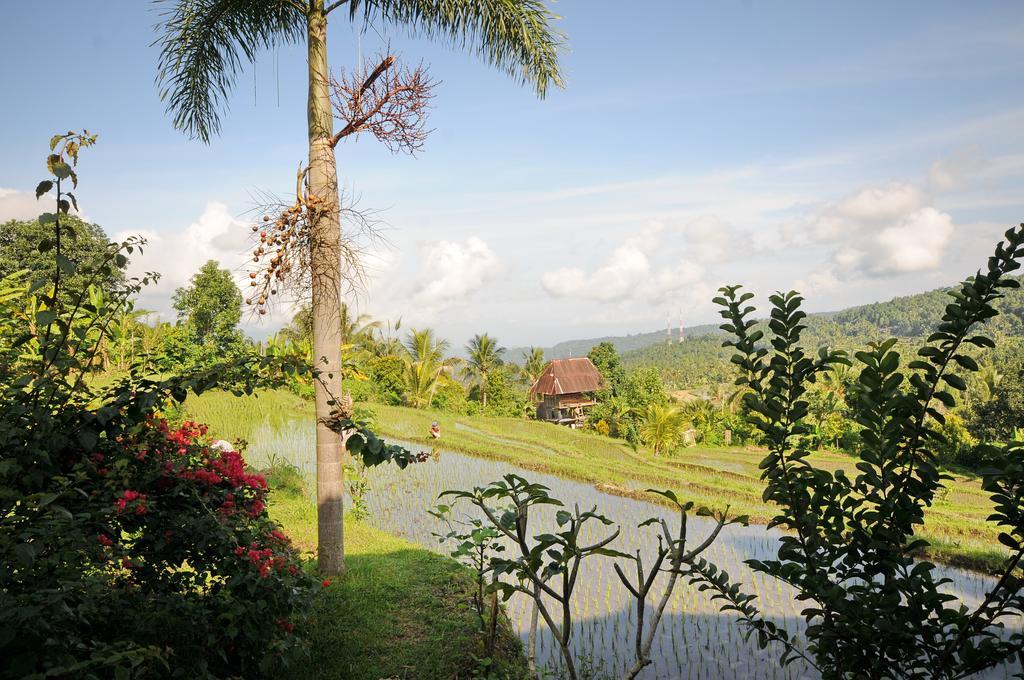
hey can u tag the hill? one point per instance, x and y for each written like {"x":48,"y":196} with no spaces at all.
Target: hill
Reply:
{"x":622,"y":343}
{"x":701,"y":361}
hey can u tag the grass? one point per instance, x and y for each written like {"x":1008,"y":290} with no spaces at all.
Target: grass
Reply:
{"x":955,"y":526}
{"x":399,"y":611}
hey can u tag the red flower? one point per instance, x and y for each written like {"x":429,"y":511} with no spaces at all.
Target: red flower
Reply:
{"x":239,"y":550}
{"x":127,"y":497}
{"x":326,"y":583}
{"x":256,"y":508}
{"x":105,"y":540}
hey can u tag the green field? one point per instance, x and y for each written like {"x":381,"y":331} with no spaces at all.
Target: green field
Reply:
{"x":955,"y":525}
{"x":399,"y":611}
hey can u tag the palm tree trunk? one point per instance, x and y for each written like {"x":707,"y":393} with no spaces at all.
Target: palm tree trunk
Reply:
{"x":325,"y":264}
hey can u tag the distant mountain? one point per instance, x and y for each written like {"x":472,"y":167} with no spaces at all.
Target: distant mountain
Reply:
{"x":702,"y":361}
{"x":623,"y":343}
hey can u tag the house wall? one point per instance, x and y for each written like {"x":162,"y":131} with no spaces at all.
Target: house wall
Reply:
{"x":555,"y":407}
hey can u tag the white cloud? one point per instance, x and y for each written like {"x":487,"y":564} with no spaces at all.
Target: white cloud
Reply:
{"x":917,"y":243}
{"x":879,"y":204}
{"x":451,"y":272}
{"x":823,"y":279}
{"x":627,"y":273}
{"x":953,"y":171}
{"x":20,"y":205}
{"x":876,"y":232}
{"x":177,"y":255}
{"x":709,"y":239}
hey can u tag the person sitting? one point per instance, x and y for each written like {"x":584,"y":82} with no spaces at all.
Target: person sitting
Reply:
{"x":435,"y":430}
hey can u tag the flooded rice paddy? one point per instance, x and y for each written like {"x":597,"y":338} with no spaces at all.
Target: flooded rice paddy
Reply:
{"x":694,"y":640}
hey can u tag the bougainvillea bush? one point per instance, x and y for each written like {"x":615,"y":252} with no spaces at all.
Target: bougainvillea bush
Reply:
{"x":151,"y":553}
{"x":129,"y":547}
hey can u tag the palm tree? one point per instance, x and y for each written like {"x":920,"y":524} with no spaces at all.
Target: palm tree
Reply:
{"x":534,"y":365}
{"x":425,"y":364}
{"x":385,"y":341}
{"x":991,"y":379}
{"x":484,"y":356}
{"x":203,"y":45}
{"x":358,"y":331}
{"x":661,"y":427}
{"x":617,"y":415}
{"x":704,"y":416}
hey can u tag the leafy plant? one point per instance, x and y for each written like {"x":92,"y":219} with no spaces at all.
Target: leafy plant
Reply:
{"x":874,"y":611}
{"x":661,"y":427}
{"x":546,"y":566}
{"x":476,"y":544}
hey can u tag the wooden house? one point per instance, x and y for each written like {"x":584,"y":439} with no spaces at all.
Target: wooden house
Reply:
{"x":564,"y":392}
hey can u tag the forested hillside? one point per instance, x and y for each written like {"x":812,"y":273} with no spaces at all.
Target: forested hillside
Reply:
{"x":622,"y":343}
{"x":702,"y":362}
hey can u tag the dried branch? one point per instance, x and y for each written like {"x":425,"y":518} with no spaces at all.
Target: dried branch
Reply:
{"x":388,"y":101}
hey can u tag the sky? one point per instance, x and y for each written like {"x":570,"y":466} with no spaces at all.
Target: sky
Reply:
{"x":853,"y":151}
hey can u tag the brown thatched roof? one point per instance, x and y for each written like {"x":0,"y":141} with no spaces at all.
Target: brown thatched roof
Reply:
{"x":568,"y":376}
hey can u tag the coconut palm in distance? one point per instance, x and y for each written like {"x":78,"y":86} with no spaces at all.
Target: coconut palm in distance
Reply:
{"x":203,"y":46}
{"x":483,"y":356}
{"x":661,"y":427}
{"x":534,"y":365}
{"x":425,"y":364}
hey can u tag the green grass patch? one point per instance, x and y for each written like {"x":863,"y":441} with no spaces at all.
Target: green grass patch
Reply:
{"x":399,"y":611}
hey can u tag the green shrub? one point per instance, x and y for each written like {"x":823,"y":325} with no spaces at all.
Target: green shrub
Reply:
{"x":388,"y":375}
{"x":361,"y":390}
{"x":450,"y":397}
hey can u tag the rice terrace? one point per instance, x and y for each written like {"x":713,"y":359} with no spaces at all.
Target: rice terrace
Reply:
{"x":512,"y":340}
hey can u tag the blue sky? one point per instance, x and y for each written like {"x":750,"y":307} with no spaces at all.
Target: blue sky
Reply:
{"x":854,"y":150}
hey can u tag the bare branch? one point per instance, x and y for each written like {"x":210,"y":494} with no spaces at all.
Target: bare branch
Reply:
{"x":334,"y":5}
{"x":390,"y":102}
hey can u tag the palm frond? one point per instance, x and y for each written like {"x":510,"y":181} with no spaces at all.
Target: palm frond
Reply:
{"x":515,"y":36}
{"x":203,"y":44}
